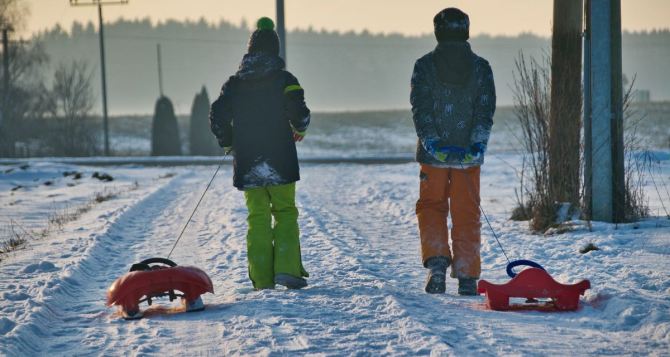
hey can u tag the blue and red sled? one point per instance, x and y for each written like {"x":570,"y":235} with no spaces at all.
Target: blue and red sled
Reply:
{"x":540,"y":291}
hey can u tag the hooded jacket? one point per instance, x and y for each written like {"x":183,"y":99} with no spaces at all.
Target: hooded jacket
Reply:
{"x":256,"y":113}
{"x":453,"y":101}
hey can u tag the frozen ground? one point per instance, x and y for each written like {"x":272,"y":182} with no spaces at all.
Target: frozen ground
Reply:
{"x":360,"y":246}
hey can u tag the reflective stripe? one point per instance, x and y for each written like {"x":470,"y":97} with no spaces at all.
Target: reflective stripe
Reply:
{"x":291,"y":88}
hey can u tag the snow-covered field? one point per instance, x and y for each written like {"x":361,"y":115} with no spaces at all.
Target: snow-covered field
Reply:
{"x":360,"y":245}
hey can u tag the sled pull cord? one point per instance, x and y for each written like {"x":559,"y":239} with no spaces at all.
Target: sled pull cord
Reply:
{"x":196,"y":208}
{"x":495,"y":235}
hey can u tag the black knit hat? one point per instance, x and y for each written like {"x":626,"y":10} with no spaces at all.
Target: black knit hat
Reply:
{"x":264,"y":39}
{"x":451,"y":24}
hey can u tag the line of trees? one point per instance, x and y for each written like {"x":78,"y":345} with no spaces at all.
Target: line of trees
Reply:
{"x":49,"y":112}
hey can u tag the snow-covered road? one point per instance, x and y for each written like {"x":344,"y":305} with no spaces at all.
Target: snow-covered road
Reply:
{"x":360,"y":245}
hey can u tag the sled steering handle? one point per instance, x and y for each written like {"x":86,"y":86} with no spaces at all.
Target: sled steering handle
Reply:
{"x":521,"y":262}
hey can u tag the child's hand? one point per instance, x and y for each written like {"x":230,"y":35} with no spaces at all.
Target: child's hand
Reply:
{"x":298,"y":136}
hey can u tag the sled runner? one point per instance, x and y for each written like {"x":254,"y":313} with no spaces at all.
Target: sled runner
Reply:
{"x":534,"y":284}
{"x":158,"y":277}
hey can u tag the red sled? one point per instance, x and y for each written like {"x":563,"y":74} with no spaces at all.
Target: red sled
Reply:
{"x":158,"y":277}
{"x":533,"y":284}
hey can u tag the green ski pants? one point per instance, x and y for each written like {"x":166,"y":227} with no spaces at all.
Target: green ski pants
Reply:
{"x":272,"y":249}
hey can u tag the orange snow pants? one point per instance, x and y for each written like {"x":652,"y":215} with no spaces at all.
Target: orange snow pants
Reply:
{"x":440,"y":190}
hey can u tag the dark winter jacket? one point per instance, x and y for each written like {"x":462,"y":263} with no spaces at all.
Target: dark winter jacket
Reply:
{"x":256,"y":113}
{"x":453,"y":101}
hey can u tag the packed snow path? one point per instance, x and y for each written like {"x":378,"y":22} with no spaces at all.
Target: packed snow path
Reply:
{"x":360,"y":245}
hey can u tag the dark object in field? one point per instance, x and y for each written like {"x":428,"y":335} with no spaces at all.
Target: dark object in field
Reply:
{"x":164,"y":131}
{"x":75,"y":174}
{"x":103,"y":176}
{"x":9,"y":171}
{"x":587,"y":248}
{"x":48,"y":183}
{"x":17,"y":187}
{"x":24,"y":167}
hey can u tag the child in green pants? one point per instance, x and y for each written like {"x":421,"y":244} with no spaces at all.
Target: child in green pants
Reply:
{"x":258,"y":117}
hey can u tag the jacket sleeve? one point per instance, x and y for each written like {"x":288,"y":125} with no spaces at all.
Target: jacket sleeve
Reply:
{"x":221,"y":116}
{"x":296,"y":110}
{"x":421,"y":98}
{"x":485,"y":106}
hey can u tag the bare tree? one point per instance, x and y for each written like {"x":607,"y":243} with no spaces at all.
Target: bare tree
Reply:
{"x":70,"y":101}
{"x":13,"y":13}
{"x":532,"y":103}
{"x":11,"y":17}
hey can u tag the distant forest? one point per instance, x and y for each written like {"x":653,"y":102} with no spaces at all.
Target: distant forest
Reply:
{"x":339,"y":71}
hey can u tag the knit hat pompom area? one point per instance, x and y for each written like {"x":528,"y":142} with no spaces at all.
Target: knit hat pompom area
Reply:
{"x":264,"y":39}
{"x":265,"y":23}
{"x":451,"y":24}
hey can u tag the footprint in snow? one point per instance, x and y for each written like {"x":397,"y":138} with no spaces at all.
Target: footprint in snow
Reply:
{"x":6,"y":325}
{"x":15,"y":296}
{"x":42,"y":267}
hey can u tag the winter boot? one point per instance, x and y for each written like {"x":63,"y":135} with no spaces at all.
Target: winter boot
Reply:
{"x":467,"y":286}
{"x":290,"y":281}
{"x":436,"y":281}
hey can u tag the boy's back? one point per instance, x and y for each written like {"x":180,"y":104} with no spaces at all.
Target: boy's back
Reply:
{"x":262,"y":104}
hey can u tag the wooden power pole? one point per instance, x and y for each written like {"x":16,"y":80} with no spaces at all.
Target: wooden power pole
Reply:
{"x":6,"y":122}
{"x":566,"y":101}
{"x":103,"y":70}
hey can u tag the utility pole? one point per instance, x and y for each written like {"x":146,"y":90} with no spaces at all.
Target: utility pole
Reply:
{"x":6,"y":124}
{"x":603,"y":111}
{"x":101,"y":32}
{"x":281,"y":29}
{"x":566,"y":101}
{"x":160,"y":69}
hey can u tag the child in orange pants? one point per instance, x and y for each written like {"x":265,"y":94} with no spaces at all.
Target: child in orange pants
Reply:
{"x":453,"y":101}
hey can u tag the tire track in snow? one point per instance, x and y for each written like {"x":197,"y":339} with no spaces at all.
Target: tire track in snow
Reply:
{"x":72,"y":313}
{"x":382,"y":210}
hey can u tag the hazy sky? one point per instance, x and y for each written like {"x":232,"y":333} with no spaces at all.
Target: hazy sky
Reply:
{"x":508,"y":17}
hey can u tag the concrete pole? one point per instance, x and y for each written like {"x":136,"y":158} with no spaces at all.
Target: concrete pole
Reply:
{"x":605,"y":108}
{"x":105,"y":119}
{"x":160,"y":70}
{"x":281,"y":29}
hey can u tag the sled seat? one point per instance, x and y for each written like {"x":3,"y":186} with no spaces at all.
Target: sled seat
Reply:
{"x":533,"y":284}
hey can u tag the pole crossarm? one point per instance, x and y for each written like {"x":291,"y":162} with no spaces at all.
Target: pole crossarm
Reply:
{"x":97,"y":2}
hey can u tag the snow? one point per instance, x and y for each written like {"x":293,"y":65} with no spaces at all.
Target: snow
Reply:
{"x":360,"y":245}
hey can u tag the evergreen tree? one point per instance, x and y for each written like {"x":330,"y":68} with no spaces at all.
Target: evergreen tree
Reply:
{"x":201,"y":139}
{"x":165,"y":132}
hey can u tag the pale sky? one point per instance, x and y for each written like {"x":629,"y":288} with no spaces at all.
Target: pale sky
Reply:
{"x":412,"y":17}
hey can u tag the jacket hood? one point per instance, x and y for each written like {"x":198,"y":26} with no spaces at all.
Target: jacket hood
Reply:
{"x":259,"y":65}
{"x":454,"y":61}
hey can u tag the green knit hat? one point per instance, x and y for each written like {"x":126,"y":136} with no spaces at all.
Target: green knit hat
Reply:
{"x":264,"y":39}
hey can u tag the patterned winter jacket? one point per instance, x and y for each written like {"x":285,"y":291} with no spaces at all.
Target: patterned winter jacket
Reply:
{"x":256,"y":113}
{"x":453,"y":101}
